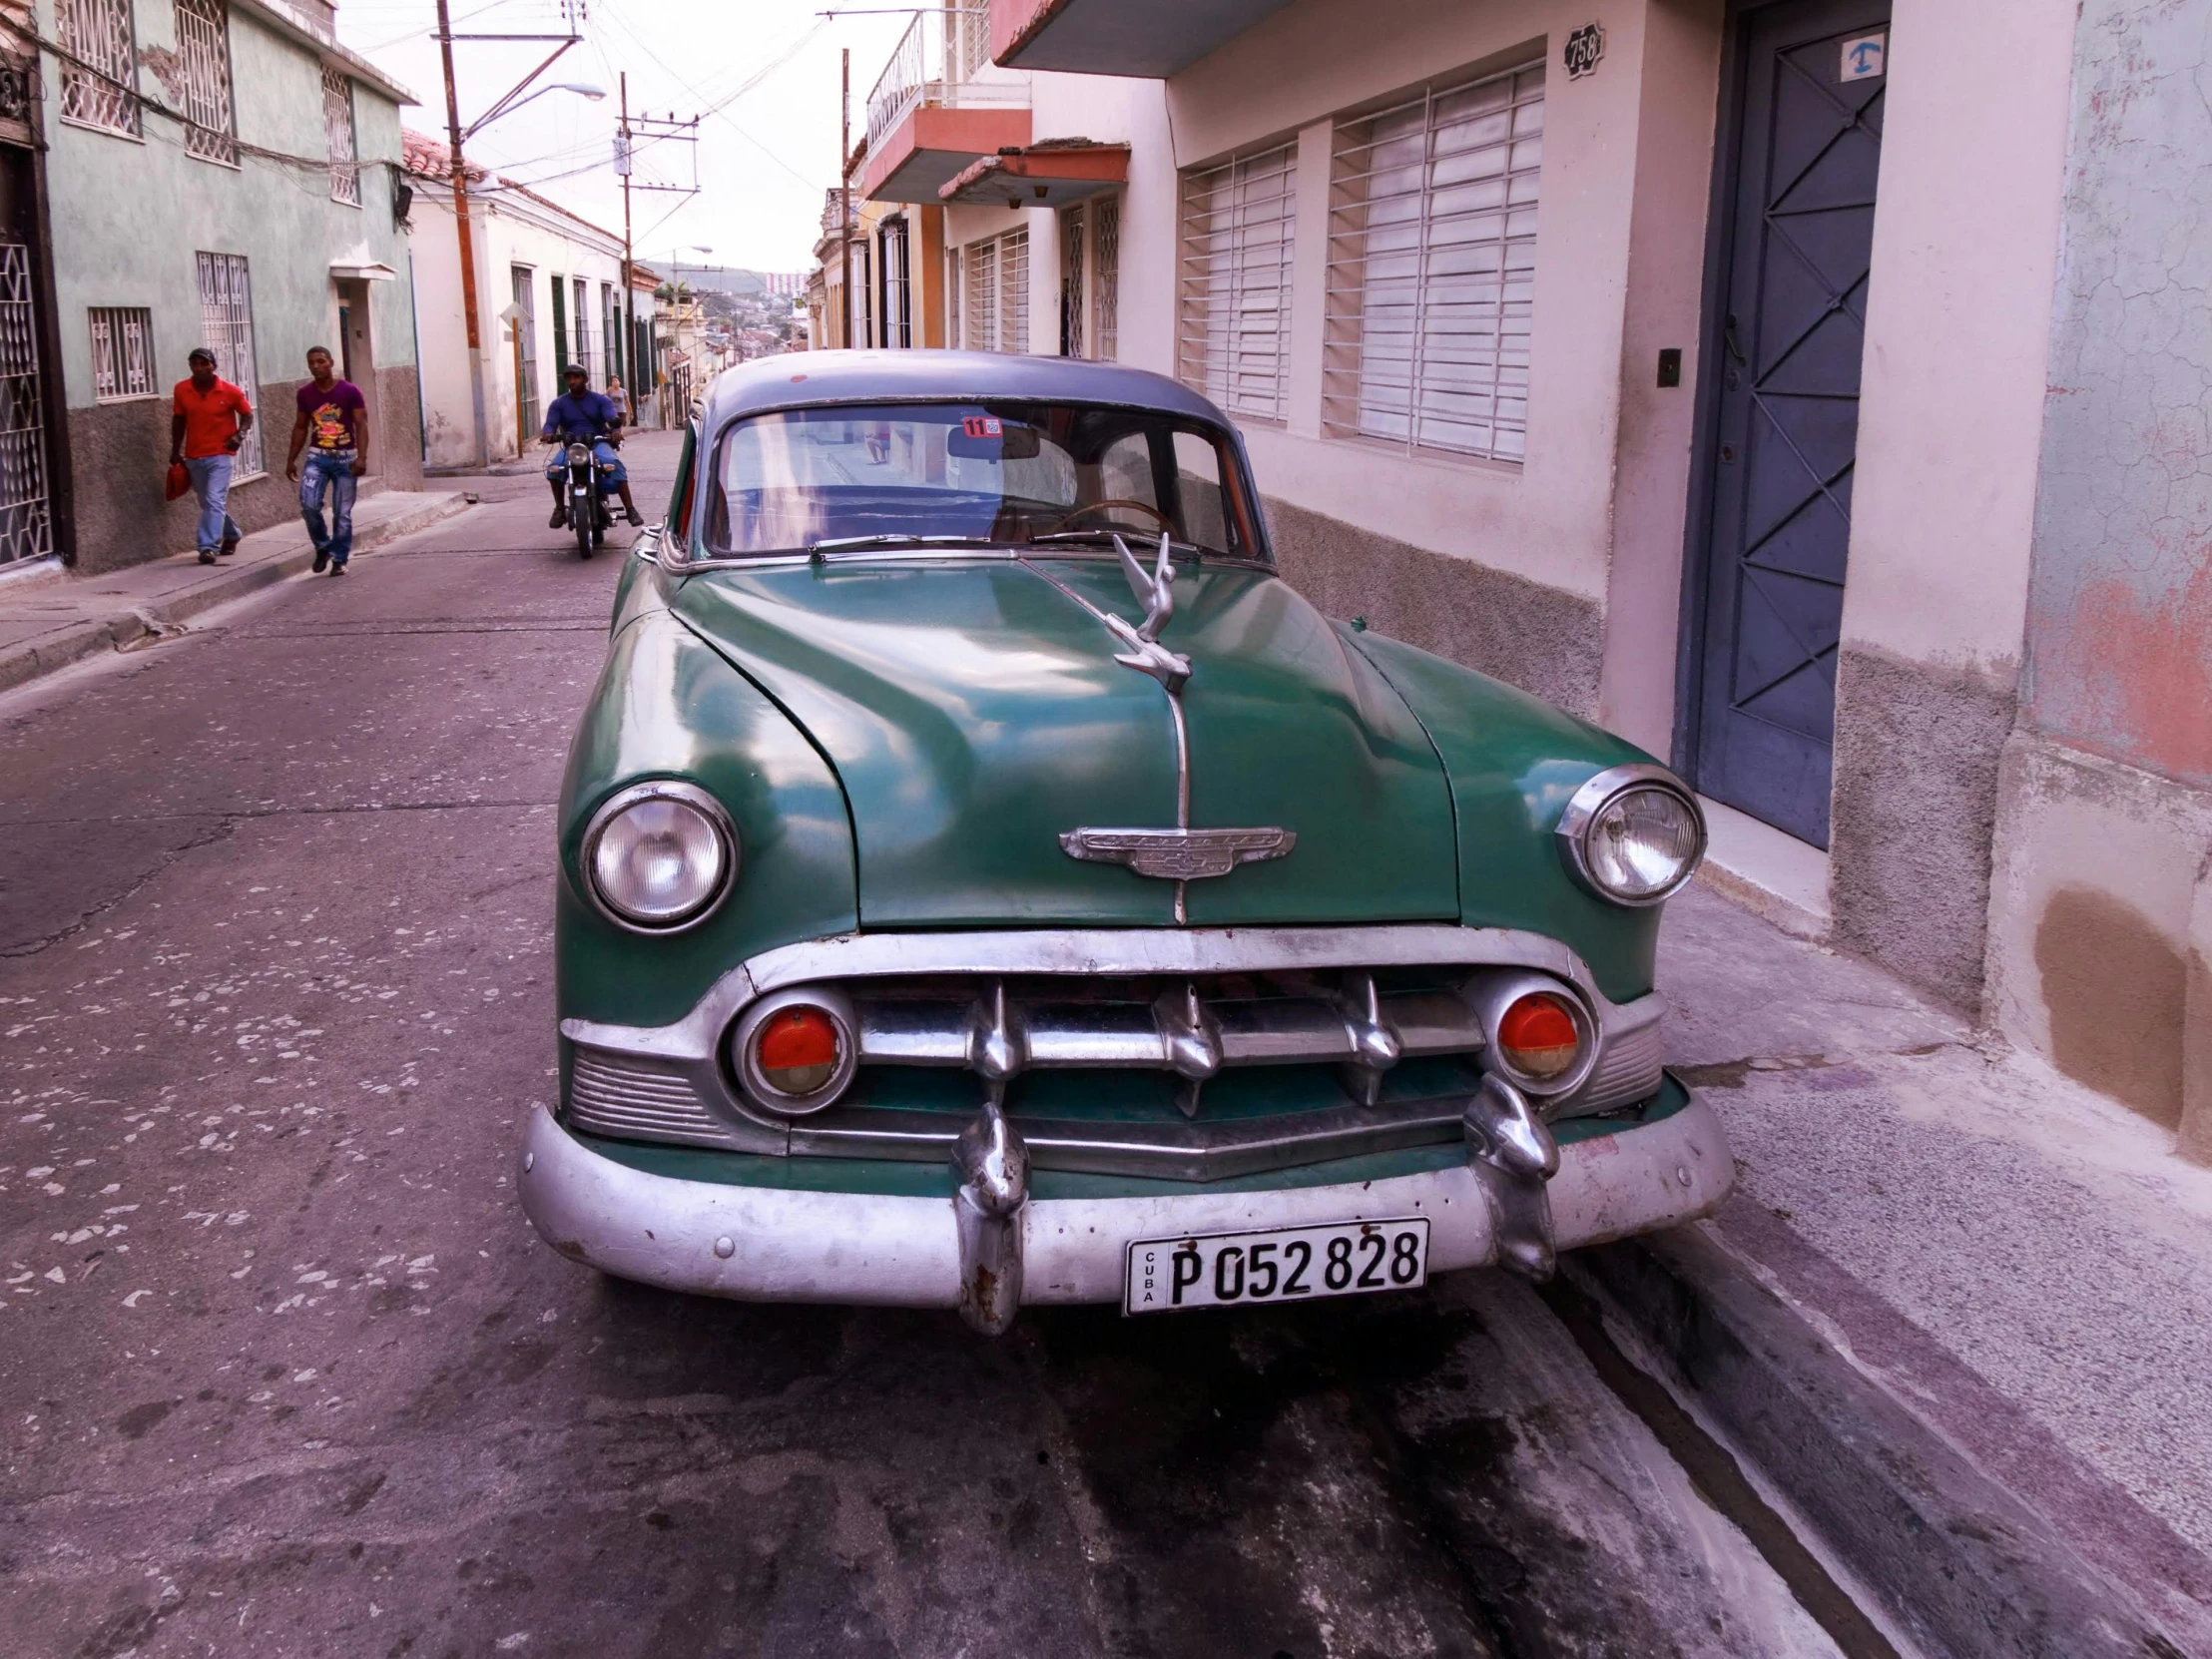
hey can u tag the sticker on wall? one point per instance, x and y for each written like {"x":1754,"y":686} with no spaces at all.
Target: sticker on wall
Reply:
{"x":1865,"y":56}
{"x":1584,"y":47}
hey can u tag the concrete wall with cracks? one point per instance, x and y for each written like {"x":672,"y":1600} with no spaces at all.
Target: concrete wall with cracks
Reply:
{"x":2106,"y":803}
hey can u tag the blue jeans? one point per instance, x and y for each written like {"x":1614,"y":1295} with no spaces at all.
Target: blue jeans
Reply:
{"x":330,"y":469}
{"x":609,"y":462}
{"x":211,"y":481}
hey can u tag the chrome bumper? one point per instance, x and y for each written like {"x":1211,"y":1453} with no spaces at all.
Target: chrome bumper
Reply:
{"x":774,"y":1245}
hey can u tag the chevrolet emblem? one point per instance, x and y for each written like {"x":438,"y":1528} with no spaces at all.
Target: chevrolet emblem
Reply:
{"x":1177,"y":854}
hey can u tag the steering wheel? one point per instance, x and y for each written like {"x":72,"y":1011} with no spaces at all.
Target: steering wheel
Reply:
{"x":1102,"y":506}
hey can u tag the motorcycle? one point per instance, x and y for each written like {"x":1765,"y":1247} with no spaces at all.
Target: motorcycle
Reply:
{"x":588,"y":489}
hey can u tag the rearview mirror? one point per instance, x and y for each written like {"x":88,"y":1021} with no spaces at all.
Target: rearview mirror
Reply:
{"x":988,"y":438}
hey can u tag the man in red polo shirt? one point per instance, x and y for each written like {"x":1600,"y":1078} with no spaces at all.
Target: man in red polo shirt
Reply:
{"x":209,"y":418}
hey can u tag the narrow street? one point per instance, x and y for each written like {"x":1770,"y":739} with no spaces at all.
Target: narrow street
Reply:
{"x":275,"y":989}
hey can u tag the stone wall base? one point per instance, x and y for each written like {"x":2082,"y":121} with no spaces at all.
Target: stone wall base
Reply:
{"x":1543,"y":640}
{"x":119,"y":454}
{"x":2098,"y":886}
{"x":1915,"y":807}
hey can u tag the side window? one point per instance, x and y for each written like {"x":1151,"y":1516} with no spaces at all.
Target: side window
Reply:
{"x":678,"y":540}
{"x":1198,"y":482}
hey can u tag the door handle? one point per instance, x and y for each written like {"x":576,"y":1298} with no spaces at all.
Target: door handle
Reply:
{"x":1727,"y":338}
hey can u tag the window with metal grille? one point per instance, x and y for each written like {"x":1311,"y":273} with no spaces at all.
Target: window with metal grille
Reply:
{"x":26,"y":523}
{"x":610,"y":330}
{"x":1233,"y":332}
{"x":227,"y":327}
{"x":1071,"y":282}
{"x":122,"y":353}
{"x":204,"y":47}
{"x":338,"y":130}
{"x":98,"y":89}
{"x":896,"y":295}
{"x":1432,"y":268}
{"x":1106,"y":280}
{"x":982,"y":297}
{"x":581,"y":313}
{"x":1013,"y":292}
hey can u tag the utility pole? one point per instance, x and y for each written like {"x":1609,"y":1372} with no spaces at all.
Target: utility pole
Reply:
{"x":845,"y":194}
{"x":628,"y":295}
{"x":468,"y":247}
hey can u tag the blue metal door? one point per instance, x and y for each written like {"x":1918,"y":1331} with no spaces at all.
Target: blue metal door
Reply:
{"x":1785,"y":421}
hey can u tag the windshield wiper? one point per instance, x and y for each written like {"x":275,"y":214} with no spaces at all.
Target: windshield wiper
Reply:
{"x":896,"y":538}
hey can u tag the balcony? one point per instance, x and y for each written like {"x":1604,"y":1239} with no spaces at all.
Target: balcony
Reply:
{"x":939,"y":104}
{"x":1150,"y":39}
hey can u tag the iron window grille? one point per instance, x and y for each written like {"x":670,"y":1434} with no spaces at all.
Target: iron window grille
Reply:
{"x":580,"y":312}
{"x":1106,"y":280}
{"x":26,"y":524}
{"x":100,"y":90}
{"x":122,"y":353}
{"x":1233,"y":331}
{"x":1432,"y":268}
{"x":1071,"y":282}
{"x":997,"y":308}
{"x":227,"y":325}
{"x":955,"y":279}
{"x":338,"y":129}
{"x":204,"y":45}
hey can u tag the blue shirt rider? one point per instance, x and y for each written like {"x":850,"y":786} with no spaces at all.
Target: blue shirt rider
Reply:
{"x":581,"y":415}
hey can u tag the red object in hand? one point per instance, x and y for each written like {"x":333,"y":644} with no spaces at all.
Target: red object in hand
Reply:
{"x":179,"y":482}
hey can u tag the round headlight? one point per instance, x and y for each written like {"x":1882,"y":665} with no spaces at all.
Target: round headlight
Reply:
{"x":1633,"y":835}
{"x":660,"y":856}
{"x":579,"y":452}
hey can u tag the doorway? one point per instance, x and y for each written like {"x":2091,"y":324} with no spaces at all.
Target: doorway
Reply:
{"x":357,"y":360}
{"x":1786,"y":326}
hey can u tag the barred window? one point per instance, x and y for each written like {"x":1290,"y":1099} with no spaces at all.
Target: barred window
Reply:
{"x":227,"y":328}
{"x":1432,"y":266}
{"x":338,"y":130}
{"x":204,"y":43}
{"x":1106,"y":280}
{"x":122,"y":353}
{"x":1233,"y":334}
{"x":100,"y":90}
{"x":994,"y":310}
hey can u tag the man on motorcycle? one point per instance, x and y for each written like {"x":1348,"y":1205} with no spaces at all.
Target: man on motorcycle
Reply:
{"x":581,"y":415}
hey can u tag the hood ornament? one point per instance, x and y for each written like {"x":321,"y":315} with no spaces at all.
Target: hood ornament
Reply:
{"x":1181,"y":854}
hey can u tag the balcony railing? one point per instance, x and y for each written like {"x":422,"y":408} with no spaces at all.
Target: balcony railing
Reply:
{"x":939,"y":60}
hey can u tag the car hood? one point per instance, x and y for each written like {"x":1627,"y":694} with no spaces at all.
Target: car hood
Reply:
{"x":974,"y":711}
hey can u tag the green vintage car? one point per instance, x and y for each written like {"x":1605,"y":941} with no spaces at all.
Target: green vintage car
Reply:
{"x":983,"y":880}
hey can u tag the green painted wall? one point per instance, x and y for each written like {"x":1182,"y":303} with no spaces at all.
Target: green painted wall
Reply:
{"x":130,"y":214}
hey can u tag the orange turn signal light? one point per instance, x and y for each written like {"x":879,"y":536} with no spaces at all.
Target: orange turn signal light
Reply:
{"x":797,"y":1050}
{"x":1538,"y":1036}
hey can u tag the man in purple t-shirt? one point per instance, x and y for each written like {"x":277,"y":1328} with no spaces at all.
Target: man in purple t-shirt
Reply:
{"x":331,"y":429}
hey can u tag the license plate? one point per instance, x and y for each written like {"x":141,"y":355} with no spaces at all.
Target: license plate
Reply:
{"x":1283,"y":1263}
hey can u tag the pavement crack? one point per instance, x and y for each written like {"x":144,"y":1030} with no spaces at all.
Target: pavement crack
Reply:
{"x":218,"y":830}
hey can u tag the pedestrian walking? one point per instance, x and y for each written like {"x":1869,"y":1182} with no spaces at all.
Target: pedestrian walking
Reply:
{"x":620,"y":399}
{"x":208,"y":419}
{"x":331,"y":428}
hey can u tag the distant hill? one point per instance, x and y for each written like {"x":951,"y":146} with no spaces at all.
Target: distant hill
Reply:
{"x":730,"y":280}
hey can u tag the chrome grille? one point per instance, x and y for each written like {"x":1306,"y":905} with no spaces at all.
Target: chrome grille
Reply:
{"x":1628,"y":1063}
{"x":629,"y":1099}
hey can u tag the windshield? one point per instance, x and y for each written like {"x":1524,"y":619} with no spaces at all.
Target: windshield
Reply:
{"x":1020,"y":474}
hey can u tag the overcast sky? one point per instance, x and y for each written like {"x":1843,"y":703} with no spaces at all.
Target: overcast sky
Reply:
{"x":766,"y":150}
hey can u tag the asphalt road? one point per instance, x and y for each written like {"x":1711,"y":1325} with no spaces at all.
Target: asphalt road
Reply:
{"x":284,"y":1372}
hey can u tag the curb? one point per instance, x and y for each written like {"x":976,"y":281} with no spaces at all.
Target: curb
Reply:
{"x":132,"y":624}
{"x":1956,"y":1562}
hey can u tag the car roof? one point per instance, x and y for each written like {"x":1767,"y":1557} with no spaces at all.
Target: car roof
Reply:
{"x":801,"y":380}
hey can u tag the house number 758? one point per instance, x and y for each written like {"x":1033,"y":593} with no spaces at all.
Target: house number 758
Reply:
{"x":1584,"y":47}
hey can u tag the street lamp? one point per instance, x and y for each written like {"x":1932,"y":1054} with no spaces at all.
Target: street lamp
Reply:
{"x":582,"y":89}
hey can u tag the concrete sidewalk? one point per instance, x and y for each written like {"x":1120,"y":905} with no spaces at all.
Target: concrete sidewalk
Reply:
{"x":47,"y":621}
{"x":2020,"y":1264}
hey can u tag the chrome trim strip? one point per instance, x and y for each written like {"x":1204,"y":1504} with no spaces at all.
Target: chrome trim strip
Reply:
{"x":769,"y":1244}
{"x":1090,"y":952}
{"x":1592,"y":798}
